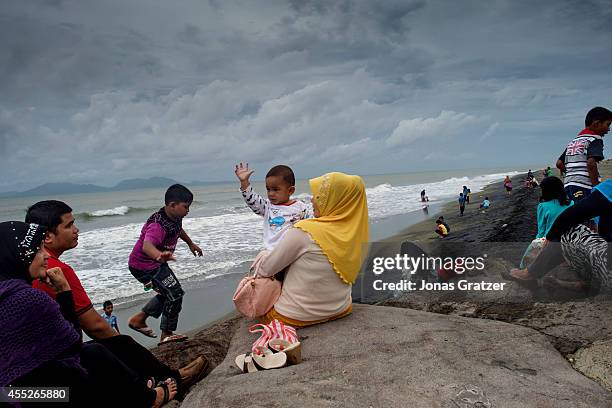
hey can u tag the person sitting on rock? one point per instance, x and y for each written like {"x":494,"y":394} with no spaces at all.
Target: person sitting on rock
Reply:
{"x":322,"y":256}
{"x":552,"y":203}
{"x":41,"y":338}
{"x":586,"y":252}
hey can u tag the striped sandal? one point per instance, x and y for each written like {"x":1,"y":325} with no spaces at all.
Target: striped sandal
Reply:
{"x":273,"y":330}
{"x":292,"y":350}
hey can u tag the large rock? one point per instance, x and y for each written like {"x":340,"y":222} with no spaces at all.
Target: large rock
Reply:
{"x":392,"y":357}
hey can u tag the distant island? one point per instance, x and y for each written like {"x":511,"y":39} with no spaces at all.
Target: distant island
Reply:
{"x":73,"y":188}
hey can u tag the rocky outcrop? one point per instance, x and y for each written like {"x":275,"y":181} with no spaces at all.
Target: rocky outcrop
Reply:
{"x":392,"y":357}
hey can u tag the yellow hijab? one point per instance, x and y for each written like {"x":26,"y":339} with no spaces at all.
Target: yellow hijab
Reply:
{"x":341,"y":230}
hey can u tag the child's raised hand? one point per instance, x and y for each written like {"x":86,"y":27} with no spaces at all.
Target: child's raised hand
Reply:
{"x":242,"y":172}
{"x":165,"y":256}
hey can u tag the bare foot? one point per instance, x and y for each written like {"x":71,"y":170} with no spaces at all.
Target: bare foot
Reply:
{"x":139,"y":320}
{"x":164,"y":396}
{"x":520,"y":274}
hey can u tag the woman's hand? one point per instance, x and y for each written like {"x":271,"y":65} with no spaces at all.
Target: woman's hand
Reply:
{"x":55,"y":278}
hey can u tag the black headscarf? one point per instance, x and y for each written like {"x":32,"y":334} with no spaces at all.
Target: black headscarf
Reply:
{"x":19,"y":243}
{"x":34,"y":331}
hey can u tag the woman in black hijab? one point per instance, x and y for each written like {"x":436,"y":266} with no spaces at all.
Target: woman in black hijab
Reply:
{"x":41,"y":339}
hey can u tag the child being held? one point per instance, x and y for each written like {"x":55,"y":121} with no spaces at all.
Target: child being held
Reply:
{"x":108,"y":315}
{"x":279,"y":211}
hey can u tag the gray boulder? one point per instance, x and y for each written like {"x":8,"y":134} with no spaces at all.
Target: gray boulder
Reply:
{"x":392,"y":357}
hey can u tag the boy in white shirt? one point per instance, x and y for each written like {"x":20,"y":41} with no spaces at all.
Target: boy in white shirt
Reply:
{"x":279,"y":211}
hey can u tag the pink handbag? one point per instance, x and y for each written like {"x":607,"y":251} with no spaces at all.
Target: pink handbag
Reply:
{"x":255,"y":296}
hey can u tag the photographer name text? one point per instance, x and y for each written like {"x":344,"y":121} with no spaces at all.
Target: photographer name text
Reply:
{"x":407,"y":286}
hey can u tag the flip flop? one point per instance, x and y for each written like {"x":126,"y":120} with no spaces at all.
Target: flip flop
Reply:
{"x":165,"y":387}
{"x":245,"y":363}
{"x":269,"y":360}
{"x":292,"y":350}
{"x":143,"y":330}
{"x":175,"y":338}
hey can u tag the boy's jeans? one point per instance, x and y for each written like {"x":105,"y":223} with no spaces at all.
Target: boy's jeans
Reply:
{"x":169,"y":299}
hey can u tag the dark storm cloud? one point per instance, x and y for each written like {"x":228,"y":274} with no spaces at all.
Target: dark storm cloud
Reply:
{"x":132,"y":88}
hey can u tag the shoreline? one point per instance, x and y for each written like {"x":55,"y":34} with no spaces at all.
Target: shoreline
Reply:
{"x":207,"y":300}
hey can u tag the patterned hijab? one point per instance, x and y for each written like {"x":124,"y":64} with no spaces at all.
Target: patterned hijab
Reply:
{"x":19,"y":243}
{"x":34,"y":331}
{"x":341,"y":230}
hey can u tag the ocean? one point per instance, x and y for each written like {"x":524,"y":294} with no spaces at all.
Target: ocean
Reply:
{"x":221,"y":224}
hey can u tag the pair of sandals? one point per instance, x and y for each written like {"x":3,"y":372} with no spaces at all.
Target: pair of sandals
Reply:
{"x":280,"y":353}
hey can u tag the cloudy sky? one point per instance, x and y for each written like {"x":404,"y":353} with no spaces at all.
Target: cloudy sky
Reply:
{"x":98,"y":91}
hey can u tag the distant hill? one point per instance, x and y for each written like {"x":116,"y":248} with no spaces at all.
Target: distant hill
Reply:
{"x":50,"y":189}
{"x":62,"y":188}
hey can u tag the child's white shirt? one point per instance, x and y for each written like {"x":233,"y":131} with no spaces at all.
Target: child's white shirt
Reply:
{"x":277,"y":218}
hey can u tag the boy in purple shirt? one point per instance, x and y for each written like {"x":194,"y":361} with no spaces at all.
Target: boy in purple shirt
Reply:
{"x":149,"y":264}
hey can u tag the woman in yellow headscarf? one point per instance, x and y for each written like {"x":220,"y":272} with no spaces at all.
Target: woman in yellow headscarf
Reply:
{"x":323,"y":255}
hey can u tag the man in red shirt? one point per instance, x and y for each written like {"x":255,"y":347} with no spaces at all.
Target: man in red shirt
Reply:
{"x":63,"y":235}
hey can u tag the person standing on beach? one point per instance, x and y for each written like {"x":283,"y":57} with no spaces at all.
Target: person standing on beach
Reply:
{"x":579,"y":159}
{"x":149,"y":263}
{"x":466,"y":194}
{"x":461,"y":204}
{"x":424,"y":197}
{"x":107,"y":314}
{"x":508,"y":185}
{"x":548,"y":172}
